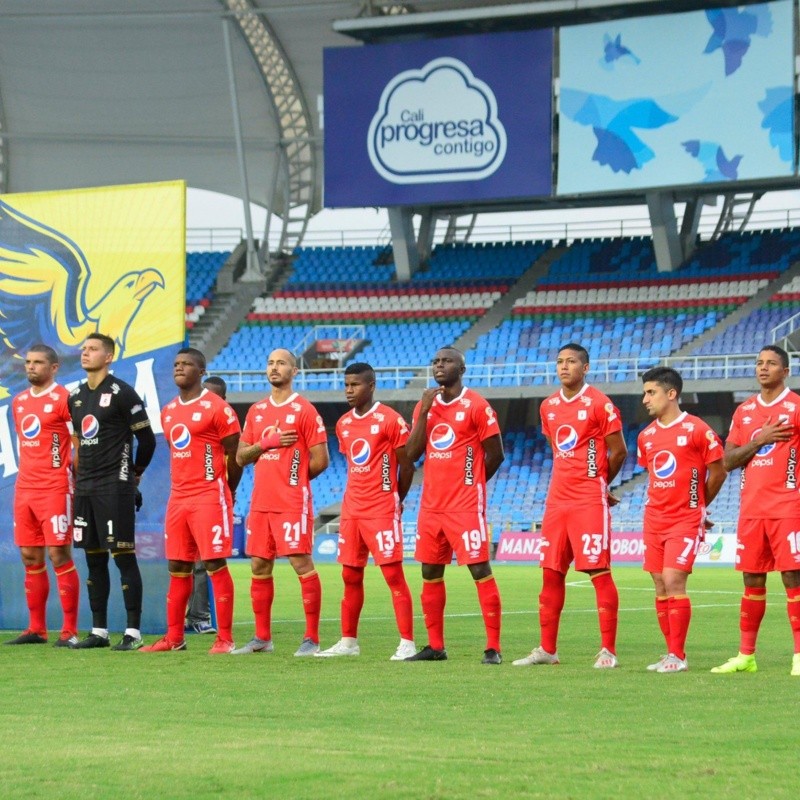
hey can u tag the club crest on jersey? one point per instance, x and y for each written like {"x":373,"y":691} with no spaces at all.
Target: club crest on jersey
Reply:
{"x":105,"y":400}
{"x":374,"y":429}
{"x":582,"y":414}
{"x":90,"y":427}
{"x":682,"y":440}
{"x":664,"y":464}
{"x":31,"y":427}
{"x":360,"y":452}
{"x":197,"y":416}
{"x":442,"y":437}
{"x":48,"y":408}
{"x":766,"y":449}
{"x":180,"y":437}
{"x":566,"y":438}
{"x":460,"y":416}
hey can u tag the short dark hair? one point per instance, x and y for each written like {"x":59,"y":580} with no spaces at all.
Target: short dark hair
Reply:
{"x":215,"y":380}
{"x":784,"y":356}
{"x":455,"y":350}
{"x":48,"y":352}
{"x":359,"y":368}
{"x":196,"y":354}
{"x":107,"y":341}
{"x":577,"y":348}
{"x":666,"y":377}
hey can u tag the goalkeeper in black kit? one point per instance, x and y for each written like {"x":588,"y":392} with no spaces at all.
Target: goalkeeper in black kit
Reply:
{"x":107,"y":414}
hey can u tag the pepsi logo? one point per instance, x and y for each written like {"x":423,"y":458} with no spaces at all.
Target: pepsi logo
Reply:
{"x":766,"y":449}
{"x":566,"y":438}
{"x":30,"y":426}
{"x":180,"y":437}
{"x":360,"y":452}
{"x":442,"y":437}
{"x":664,"y":464}
{"x":90,"y":427}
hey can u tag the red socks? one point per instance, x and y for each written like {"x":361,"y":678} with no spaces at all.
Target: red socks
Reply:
{"x":178,"y":594}
{"x":662,"y":614}
{"x":311,"y":590}
{"x":262,"y":593}
{"x":353,"y":600}
{"x":752,"y":609}
{"x":37,"y":587}
{"x":680,"y":615}
{"x":793,"y":609}
{"x":69,"y":590}
{"x":401,"y":599}
{"x":551,"y":603}
{"x":491,"y":608}
{"x":434,"y":599}
{"x":607,"y":609}
{"x":222,"y":584}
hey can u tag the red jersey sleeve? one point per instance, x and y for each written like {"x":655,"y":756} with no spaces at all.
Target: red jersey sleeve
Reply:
{"x":226,"y":421}
{"x":484,"y":419}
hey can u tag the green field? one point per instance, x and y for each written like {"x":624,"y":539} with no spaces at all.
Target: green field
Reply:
{"x":99,"y":724}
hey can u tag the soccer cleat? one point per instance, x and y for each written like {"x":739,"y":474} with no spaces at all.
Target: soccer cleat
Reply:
{"x":739,"y":663}
{"x":221,"y":647}
{"x":66,"y":639}
{"x":654,"y":667}
{"x":795,"y":665}
{"x":405,"y":650}
{"x":673,"y":664}
{"x":255,"y":645}
{"x":163,"y":645}
{"x":308,"y":647}
{"x":128,"y":642}
{"x":538,"y":656}
{"x":90,"y":642}
{"x":28,"y":637}
{"x":491,"y":656}
{"x":605,"y":659}
{"x":341,"y":648}
{"x":428,"y":653}
{"x":199,"y":627}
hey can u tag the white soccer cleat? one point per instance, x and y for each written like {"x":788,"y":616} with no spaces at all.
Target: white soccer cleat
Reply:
{"x":405,"y":649}
{"x":605,"y":660}
{"x":654,"y":667}
{"x":255,"y":645}
{"x":344,"y":647}
{"x":673,"y":664}
{"x":537,"y":656}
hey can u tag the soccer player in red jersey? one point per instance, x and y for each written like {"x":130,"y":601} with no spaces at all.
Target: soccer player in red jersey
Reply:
{"x":285,"y":438}
{"x":683,"y":456}
{"x":372,"y":438}
{"x":458,"y":432}
{"x":43,"y":496}
{"x":203,"y":433}
{"x":584,"y":429}
{"x":764,"y":441}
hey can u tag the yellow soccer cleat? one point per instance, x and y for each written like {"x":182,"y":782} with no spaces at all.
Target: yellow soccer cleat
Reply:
{"x":795,"y":665}
{"x":739,"y":663}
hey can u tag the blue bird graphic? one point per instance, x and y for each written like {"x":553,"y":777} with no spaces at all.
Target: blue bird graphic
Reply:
{"x":732,"y":29}
{"x":614,"y":50}
{"x":712,"y":158}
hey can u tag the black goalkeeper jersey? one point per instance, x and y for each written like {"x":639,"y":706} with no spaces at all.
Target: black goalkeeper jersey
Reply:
{"x":104,"y":420}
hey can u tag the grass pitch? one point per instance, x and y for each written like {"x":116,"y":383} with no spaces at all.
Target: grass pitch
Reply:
{"x":98,"y":724}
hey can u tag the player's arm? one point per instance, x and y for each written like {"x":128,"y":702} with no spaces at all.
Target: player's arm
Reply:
{"x":415,"y":446}
{"x":715,"y":477}
{"x":493,"y":454}
{"x":405,"y":472}
{"x":234,"y":470}
{"x":145,"y":447}
{"x":617,"y":451}
{"x":76,"y":446}
{"x":770,"y":433}
{"x":318,"y":460}
{"x":247,"y":453}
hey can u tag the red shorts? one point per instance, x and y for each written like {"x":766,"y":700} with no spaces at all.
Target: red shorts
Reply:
{"x":383,"y":537}
{"x":440,"y":534}
{"x":272,"y":534}
{"x":582,"y":533}
{"x":764,"y":545}
{"x":195,"y":532}
{"x":671,"y":550}
{"x":42,"y":519}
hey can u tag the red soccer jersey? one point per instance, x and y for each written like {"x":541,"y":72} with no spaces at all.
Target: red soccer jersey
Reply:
{"x":677,"y":456}
{"x":44,"y":431}
{"x":369,"y":443}
{"x":455,"y":474}
{"x":577,"y":428}
{"x":195,"y":431}
{"x":281,"y":475}
{"x":769,"y":479}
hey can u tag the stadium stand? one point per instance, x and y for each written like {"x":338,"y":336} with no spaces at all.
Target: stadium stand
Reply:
{"x":202,"y":269}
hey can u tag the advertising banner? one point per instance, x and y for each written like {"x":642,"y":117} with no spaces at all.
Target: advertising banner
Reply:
{"x":697,"y":97}
{"x":461,"y":118}
{"x":110,"y":260}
